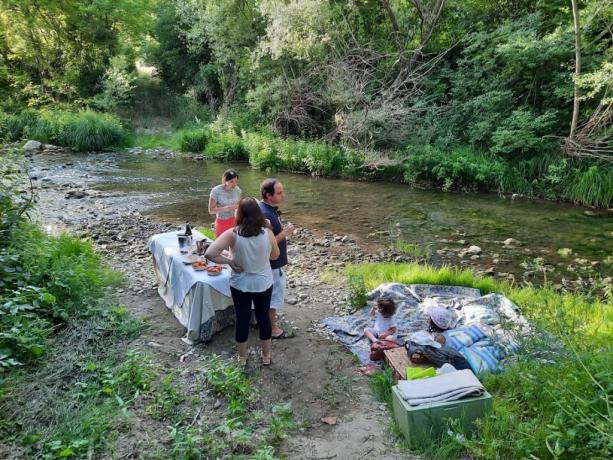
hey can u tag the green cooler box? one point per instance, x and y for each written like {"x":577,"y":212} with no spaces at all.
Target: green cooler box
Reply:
{"x":421,"y":423}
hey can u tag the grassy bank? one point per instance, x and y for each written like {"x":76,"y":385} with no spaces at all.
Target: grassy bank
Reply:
{"x":546,"y":405}
{"x":75,"y":381}
{"x":83,"y":130}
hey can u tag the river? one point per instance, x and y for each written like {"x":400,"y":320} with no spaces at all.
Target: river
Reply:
{"x":377,"y":215}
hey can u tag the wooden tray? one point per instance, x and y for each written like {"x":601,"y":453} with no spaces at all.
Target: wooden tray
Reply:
{"x":398,"y":360}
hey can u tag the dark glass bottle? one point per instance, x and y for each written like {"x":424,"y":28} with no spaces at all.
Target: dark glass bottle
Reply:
{"x":188,"y":230}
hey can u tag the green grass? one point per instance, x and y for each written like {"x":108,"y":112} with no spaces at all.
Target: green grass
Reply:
{"x":592,"y":186}
{"x":415,"y":251}
{"x":207,"y":231}
{"x":84,"y":130}
{"x":547,"y":404}
{"x":193,"y":140}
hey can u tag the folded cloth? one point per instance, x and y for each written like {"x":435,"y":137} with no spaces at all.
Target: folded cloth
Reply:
{"x":446,"y":387}
{"x":463,"y":336}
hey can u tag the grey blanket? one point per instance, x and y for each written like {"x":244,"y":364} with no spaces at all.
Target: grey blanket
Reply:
{"x":494,"y":313}
{"x":446,"y":387}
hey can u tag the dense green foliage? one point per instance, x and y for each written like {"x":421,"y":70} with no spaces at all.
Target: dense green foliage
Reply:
{"x":44,"y":280}
{"x":555,"y":400}
{"x":473,"y":95}
{"x":62,"y":52}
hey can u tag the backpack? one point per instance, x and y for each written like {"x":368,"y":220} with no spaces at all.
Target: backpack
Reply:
{"x":377,"y":348}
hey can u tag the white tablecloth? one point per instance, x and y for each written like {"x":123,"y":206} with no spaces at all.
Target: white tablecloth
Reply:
{"x":200,"y":302}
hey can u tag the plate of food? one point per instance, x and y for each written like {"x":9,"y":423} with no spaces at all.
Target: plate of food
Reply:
{"x":214,"y":270}
{"x":189,"y":259}
{"x":199,"y":265}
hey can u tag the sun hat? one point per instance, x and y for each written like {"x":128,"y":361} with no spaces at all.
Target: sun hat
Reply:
{"x":443,"y":318}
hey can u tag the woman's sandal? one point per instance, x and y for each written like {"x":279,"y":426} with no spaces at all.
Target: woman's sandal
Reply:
{"x":266,"y":360}
{"x":242,"y":360}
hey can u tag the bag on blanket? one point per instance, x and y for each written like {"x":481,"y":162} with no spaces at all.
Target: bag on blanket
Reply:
{"x":377,"y":348}
{"x":426,"y":354}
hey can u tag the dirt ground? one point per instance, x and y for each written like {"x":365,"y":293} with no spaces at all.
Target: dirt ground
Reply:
{"x":315,"y":374}
{"x":310,"y":370}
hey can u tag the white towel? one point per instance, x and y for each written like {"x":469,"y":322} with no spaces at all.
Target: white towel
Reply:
{"x":446,"y":387}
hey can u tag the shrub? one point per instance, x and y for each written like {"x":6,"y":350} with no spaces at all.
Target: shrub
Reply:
{"x":462,"y":169}
{"x":522,"y":133}
{"x":193,"y":140}
{"x":227,"y":146}
{"x":263,"y":151}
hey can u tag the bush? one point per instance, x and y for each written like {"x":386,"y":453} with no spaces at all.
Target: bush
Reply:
{"x":269,"y":152}
{"x":193,"y":140}
{"x":82,"y":131}
{"x":227,"y":146}
{"x":462,"y":169}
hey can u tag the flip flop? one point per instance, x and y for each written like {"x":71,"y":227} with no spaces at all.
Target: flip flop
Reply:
{"x":266,"y":360}
{"x":283,"y":335}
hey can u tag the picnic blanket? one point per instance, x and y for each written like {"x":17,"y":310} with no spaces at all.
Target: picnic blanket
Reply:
{"x":485,"y":333}
{"x":444,"y":387}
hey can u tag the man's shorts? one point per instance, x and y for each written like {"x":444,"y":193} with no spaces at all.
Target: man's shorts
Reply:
{"x":278,"y":289}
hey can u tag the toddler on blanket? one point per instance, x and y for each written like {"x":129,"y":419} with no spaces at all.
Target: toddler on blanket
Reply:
{"x":385,"y":325}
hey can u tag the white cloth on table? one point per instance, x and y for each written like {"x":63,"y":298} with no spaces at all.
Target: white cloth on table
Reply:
{"x":193,"y":296}
{"x":445,"y":387}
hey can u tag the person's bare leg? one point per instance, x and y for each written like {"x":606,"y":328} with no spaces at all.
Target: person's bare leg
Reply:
{"x":370,"y":335}
{"x":276,"y":330}
{"x":266,"y":351}
{"x":242,"y":352}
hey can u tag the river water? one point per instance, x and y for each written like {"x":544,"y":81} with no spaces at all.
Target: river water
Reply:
{"x":375,"y":214}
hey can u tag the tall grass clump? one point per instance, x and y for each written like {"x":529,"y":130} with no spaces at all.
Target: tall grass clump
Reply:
{"x":554,"y":398}
{"x":226,"y":145}
{"x":193,"y":140}
{"x":592,"y":186}
{"x":81,"y":131}
{"x":89,"y":131}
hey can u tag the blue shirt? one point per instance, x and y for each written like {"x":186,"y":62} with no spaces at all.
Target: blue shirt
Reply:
{"x":272,"y":214}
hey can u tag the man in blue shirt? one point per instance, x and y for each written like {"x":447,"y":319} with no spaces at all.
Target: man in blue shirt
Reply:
{"x":272,"y":196}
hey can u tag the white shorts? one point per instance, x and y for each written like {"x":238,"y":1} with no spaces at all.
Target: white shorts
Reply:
{"x":278,"y":289}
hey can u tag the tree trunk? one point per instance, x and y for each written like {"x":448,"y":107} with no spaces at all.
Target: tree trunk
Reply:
{"x":573,"y":124}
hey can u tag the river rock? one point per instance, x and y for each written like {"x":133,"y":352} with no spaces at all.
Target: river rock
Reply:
{"x":32,"y":146}
{"x":76,"y":194}
{"x":474,"y":250}
{"x":510,"y":242}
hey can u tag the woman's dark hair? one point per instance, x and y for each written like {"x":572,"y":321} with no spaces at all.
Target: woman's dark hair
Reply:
{"x":387,"y":307}
{"x":268,"y":188}
{"x":229,"y":174}
{"x":250,"y":220}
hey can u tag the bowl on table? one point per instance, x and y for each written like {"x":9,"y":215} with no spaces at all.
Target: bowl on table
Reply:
{"x":199,"y":265}
{"x":214,"y":270}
